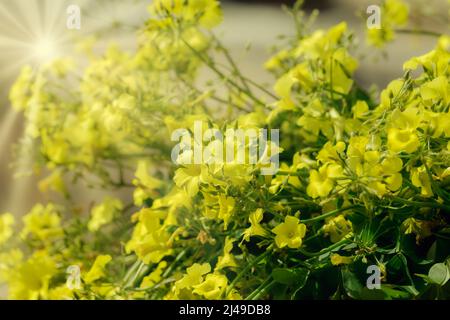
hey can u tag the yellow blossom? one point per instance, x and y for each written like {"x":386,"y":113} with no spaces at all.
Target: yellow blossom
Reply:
{"x":97,"y":270}
{"x":6,"y":230}
{"x":337,"y":259}
{"x":337,"y":228}
{"x":30,"y":280}
{"x":54,"y":182}
{"x":421,"y":228}
{"x":289,"y":233}
{"x":226,"y":209}
{"x":154,"y":277}
{"x":206,"y":13}
{"x":212,"y":287}
{"x":9,"y":260}
{"x":60,"y":293}
{"x":403,"y":140}
{"x":360,"y":109}
{"x":147,"y":185}
{"x":227,"y":259}
{"x":421,"y":179}
{"x":194,"y":275}
{"x":104,"y":213}
{"x":42,"y":222}
{"x":255,"y":228}
{"x":321,"y":182}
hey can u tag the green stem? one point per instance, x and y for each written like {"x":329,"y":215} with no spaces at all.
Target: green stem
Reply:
{"x":211,"y":65}
{"x":130,"y":271}
{"x":172,"y":265}
{"x":289,"y":173}
{"x":328,"y":249}
{"x":230,"y":60}
{"x":328,"y":214}
{"x":419,"y":32}
{"x":260,"y":287}
{"x":245,"y":270}
{"x":132,"y":275}
{"x":422,"y":204}
{"x":260,"y":291}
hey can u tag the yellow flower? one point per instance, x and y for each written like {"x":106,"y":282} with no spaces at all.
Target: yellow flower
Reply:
{"x":277,"y":60}
{"x":152,"y":246}
{"x":402,"y":140}
{"x":206,"y":13}
{"x":337,"y":228}
{"x":61,"y":67}
{"x":212,"y":287}
{"x":322,"y":182}
{"x":9,"y":260}
{"x":30,"y":279}
{"x":421,"y":228}
{"x":339,"y":70}
{"x":97,"y":270}
{"x":154,"y":277}
{"x":396,"y":12}
{"x":189,"y":178}
{"x":226,"y":209}
{"x":337,"y":259}
{"x":378,"y":37}
{"x":255,"y":228}
{"x":60,"y":293}
{"x":55,"y":147}
{"x":42,"y":222}
{"x":20,"y":92}
{"x":279,"y":181}
{"x":234,"y":295}
{"x":53,"y":182}
{"x":104,"y":213}
{"x":289,"y":233}
{"x":150,"y":239}
{"x":227,"y":260}
{"x":330,"y":152}
{"x":168,"y":206}
{"x":212,"y":14}
{"x":6,"y":230}
{"x":391,"y":168}
{"x":436,"y":60}
{"x":360,"y":109}
{"x":437,"y":89}
{"x":147,"y":185}
{"x":299,"y":75}
{"x":421,"y":179}
{"x":194,"y":275}
{"x":105,"y":290}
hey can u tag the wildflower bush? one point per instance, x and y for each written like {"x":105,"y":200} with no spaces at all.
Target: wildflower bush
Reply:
{"x":364,"y":178}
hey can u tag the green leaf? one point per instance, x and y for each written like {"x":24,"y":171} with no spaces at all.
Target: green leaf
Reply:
{"x":287,"y":276}
{"x":372,"y":294}
{"x":439,"y":274}
{"x":352,"y":285}
{"x":395,"y":293}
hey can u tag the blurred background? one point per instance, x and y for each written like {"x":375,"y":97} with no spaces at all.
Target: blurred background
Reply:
{"x":34,"y":30}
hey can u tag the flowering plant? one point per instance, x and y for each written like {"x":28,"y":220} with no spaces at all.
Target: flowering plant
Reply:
{"x":363,"y":179}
